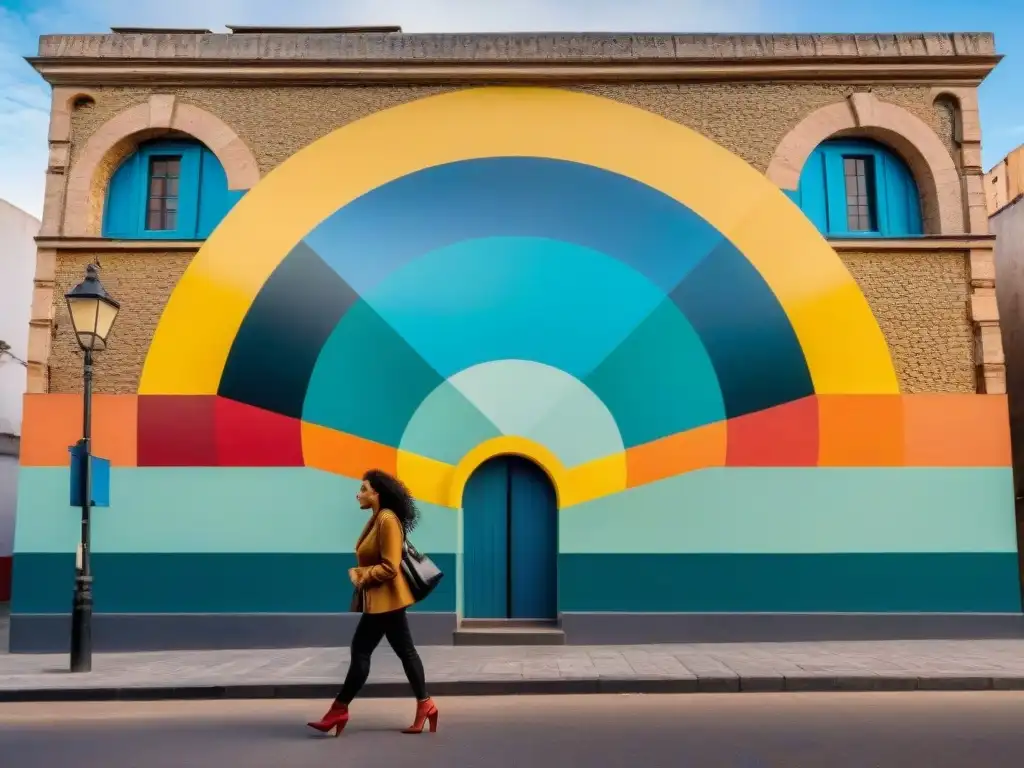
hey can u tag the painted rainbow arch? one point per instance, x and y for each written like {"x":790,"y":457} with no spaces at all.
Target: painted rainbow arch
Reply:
{"x":516,"y":270}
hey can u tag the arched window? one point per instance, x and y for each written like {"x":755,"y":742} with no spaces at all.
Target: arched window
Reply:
{"x":859,"y":188}
{"x":168,"y":189}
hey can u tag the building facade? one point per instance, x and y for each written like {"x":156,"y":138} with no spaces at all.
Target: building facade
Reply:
{"x":672,"y":337}
{"x":17,"y":267}
{"x":1004,"y":193}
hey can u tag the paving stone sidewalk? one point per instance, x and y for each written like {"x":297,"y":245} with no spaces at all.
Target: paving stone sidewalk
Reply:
{"x":459,"y":670}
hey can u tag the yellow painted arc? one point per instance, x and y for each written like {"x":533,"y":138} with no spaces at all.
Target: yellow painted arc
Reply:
{"x":437,"y":482}
{"x":845,"y":350}
{"x":507,"y":445}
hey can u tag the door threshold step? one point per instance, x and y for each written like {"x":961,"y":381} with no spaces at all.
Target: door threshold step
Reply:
{"x":509,"y":624}
{"x":535,"y":634}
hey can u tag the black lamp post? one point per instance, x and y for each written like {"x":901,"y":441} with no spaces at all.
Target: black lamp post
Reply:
{"x":92,"y":312}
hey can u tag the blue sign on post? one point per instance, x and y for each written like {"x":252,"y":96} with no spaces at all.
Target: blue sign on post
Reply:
{"x":100,"y":477}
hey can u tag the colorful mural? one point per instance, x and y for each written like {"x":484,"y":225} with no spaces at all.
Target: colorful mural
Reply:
{"x":552,"y":275}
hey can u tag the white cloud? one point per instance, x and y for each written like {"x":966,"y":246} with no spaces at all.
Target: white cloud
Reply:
{"x":24,"y":97}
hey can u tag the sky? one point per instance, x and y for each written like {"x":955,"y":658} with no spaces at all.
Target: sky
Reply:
{"x":25,"y":101}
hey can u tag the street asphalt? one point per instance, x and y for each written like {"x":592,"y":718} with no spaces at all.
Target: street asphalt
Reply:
{"x":790,"y":730}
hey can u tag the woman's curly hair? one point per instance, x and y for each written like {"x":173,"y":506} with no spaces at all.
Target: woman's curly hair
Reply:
{"x":394,"y":496}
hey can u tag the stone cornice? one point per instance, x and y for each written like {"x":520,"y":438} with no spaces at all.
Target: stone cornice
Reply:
{"x":298,"y":58}
{"x":108,"y":245}
{"x":100,"y":72}
{"x":930,"y":243}
{"x":480,"y":48}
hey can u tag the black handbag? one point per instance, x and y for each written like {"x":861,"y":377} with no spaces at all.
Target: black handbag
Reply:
{"x":420,"y":572}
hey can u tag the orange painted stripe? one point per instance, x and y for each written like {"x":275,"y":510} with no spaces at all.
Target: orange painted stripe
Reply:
{"x":51,"y":423}
{"x":921,"y":430}
{"x":860,"y":431}
{"x":957,"y":431}
{"x":345,"y":454}
{"x":698,"y":448}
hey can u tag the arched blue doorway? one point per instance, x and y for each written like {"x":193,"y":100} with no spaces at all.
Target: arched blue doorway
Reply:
{"x":510,"y":542}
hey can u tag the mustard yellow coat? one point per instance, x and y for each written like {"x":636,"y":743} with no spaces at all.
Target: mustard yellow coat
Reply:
{"x":382,"y":587}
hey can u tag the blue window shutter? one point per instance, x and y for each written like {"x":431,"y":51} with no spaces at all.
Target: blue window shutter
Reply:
{"x":203,"y":195}
{"x":900,"y":195}
{"x":188,"y":202}
{"x":215,"y":199}
{"x":896,"y":202}
{"x":885,"y":209}
{"x":811,"y":195}
{"x":122,"y":206}
{"x":835,"y":191}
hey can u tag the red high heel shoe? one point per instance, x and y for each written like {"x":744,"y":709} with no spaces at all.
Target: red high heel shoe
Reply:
{"x":336,"y":719}
{"x":426,"y":711}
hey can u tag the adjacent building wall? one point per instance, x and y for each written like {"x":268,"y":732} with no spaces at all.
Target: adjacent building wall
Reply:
{"x":1004,"y":186}
{"x":17,"y":265}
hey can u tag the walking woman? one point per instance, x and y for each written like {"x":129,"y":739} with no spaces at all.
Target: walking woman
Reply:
{"x":382,"y":595}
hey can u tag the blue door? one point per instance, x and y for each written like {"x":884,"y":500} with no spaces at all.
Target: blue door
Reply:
{"x":533,"y":553}
{"x":485,"y":542}
{"x":510,"y":542}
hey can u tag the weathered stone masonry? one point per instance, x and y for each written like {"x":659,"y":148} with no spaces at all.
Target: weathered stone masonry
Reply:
{"x":255,"y":99}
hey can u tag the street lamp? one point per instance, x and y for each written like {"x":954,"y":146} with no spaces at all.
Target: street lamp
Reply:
{"x":92,"y":312}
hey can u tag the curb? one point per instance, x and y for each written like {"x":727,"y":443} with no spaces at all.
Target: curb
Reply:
{"x":748,"y":684}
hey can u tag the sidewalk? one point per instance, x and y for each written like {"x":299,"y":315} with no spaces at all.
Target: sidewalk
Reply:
{"x":460,"y":670}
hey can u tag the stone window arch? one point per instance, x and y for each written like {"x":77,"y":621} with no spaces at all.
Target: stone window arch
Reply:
{"x":865,"y":116}
{"x":119,"y":137}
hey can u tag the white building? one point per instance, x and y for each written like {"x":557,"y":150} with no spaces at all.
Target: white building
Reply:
{"x":17,"y":268}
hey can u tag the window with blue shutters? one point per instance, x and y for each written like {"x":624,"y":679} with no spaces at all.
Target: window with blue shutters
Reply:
{"x":170,"y":190}
{"x":858,"y":188}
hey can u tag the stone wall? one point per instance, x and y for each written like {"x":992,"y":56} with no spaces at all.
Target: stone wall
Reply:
{"x":749,"y":119}
{"x":919,"y":300}
{"x":142,"y":282}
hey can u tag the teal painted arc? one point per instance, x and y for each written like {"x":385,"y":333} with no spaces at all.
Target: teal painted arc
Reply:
{"x":518,"y":398}
{"x":491,"y":206}
{"x":819,"y":510}
{"x":520,"y":298}
{"x":530,"y":299}
{"x":368,"y":381}
{"x":211,"y":510}
{"x":447,"y":425}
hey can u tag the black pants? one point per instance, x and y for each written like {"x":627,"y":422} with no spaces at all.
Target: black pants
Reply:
{"x":393,"y":625}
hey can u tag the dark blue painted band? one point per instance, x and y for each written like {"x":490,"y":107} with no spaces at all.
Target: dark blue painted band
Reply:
{"x":204,"y":583}
{"x":786,"y":583}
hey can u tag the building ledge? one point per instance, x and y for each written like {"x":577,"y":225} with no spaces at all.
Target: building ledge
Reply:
{"x":296,"y":58}
{"x":106,"y":244}
{"x":930,"y":243}
{"x":383,"y":44}
{"x":868,"y":244}
{"x":966,"y":72}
